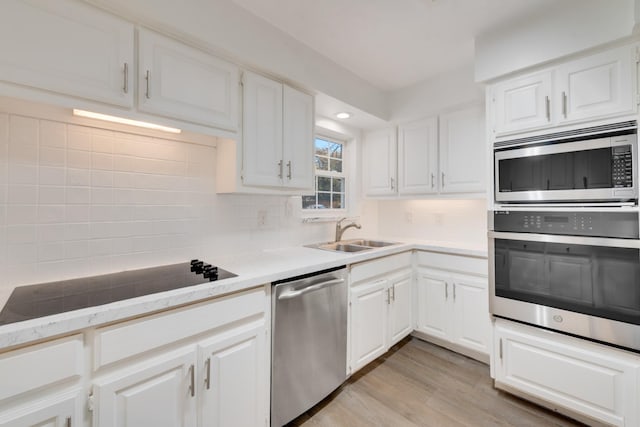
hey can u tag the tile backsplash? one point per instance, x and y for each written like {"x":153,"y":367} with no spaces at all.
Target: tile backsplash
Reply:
{"x":77,"y":200}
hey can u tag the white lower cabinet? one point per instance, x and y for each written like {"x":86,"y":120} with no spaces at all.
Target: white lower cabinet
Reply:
{"x":54,"y":410}
{"x":452,"y":303}
{"x":568,"y":374}
{"x":380,"y":307}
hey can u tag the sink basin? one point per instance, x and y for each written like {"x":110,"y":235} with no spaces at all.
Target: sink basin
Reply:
{"x":342,"y":247}
{"x":355,"y":245}
{"x":370,"y":243}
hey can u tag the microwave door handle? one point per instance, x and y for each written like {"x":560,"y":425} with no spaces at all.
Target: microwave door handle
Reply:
{"x":571,"y":240}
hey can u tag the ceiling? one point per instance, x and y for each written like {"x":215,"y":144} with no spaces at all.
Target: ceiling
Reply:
{"x":392,"y":44}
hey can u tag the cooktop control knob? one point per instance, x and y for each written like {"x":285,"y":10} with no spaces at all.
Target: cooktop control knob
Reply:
{"x":211,"y":272}
{"x":197,"y":266}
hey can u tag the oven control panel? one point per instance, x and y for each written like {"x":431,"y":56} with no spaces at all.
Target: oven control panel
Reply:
{"x":622,"y":173}
{"x":597,"y":224}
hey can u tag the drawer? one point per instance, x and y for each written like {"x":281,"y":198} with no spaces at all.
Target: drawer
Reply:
{"x":124,"y":340}
{"x":380,"y":266}
{"x":33,"y":367}
{"x":453,"y":263}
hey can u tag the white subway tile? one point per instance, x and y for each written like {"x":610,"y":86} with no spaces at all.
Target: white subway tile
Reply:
{"x":79,"y":159}
{"x":100,"y":247}
{"x":53,"y":251}
{"x":52,"y":156}
{"x":22,"y":214}
{"x":101,"y":178}
{"x":102,"y":143}
{"x":51,"y":232}
{"x":78,"y":138}
{"x":53,"y":134}
{"x":101,"y":213}
{"x":77,"y":231}
{"x":23,"y":174}
{"x":76,"y":249}
{"x":23,"y":131}
{"x":102,"y":161}
{"x":78,"y":195}
{"x":23,"y":254}
{"x":122,"y":213}
{"x":78,"y":213}
{"x":100,"y":230}
{"x":102,"y":196}
{"x":48,"y":214}
{"x":122,"y":245}
{"x":21,"y":234}
{"x":78,"y":177}
{"x":22,"y":194}
{"x":50,"y":175}
{"x":51,"y":195}
{"x":23,"y":154}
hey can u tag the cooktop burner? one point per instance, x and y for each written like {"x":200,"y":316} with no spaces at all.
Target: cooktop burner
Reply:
{"x":32,"y":301}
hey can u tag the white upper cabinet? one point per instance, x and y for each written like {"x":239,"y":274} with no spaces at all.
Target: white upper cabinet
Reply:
{"x":297,"y":143}
{"x":69,"y":48}
{"x":594,"y":87}
{"x":523,"y":103}
{"x":277,"y":143}
{"x":418,"y":157}
{"x":597,"y":86}
{"x":432,"y":156}
{"x":462,"y":151}
{"x":379,"y":162}
{"x":178,"y":81}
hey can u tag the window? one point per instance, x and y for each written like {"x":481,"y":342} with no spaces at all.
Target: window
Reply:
{"x":330,"y":176}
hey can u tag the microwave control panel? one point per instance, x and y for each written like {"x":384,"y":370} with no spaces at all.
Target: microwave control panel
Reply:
{"x":622,"y":167}
{"x":596,"y":224}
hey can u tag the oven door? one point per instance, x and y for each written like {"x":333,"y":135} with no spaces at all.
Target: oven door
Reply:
{"x":586,"y":286}
{"x":600,"y":169}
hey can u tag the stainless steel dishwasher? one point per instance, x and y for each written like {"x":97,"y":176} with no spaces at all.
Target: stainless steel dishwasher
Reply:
{"x":308,"y":341}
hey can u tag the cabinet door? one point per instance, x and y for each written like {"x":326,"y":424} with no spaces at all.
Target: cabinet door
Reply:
{"x":160,"y":392}
{"x":433,"y":303}
{"x":368,"y":322}
{"x":418,"y":157}
{"x":462,"y":151}
{"x":400,"y":312}
{"x":523,"y":103}
{"x":597,"y":86}
{"x":298,"y":125}
{"x":471,"y":319}
{"x":67,"y":47}
{"x":589,"y":378}
{"x":379,"y":163}
{"x":234,"y":368}
{"x":262,"y":131}
{"x":181,"y":82}
{"x":57,"y":410}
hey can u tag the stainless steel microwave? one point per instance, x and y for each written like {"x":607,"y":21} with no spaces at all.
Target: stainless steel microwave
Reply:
{"x":580,"y":168}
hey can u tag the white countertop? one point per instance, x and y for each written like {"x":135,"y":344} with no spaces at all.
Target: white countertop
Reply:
{"x":253,"y":269}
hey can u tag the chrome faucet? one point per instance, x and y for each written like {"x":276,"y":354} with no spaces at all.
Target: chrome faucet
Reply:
{"x":340,"y":230}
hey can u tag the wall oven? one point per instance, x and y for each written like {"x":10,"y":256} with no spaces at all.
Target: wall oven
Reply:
{"x":597,"y":164}
{"x":573,"y":271}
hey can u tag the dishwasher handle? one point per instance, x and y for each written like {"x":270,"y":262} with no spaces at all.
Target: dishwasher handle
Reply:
{"x":294,"y":294}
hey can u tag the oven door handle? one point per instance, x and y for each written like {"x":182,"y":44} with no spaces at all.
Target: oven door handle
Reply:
{"x":572,"y":240}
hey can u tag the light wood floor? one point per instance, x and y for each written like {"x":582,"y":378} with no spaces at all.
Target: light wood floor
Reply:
{"x":420,"y":384}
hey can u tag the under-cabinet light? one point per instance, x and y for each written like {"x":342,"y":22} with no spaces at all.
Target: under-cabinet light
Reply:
{"x":343,"y":115}
{"x":105,"y":117}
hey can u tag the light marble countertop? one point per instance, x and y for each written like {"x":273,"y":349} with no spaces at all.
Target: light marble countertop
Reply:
{"x":253,"y":269}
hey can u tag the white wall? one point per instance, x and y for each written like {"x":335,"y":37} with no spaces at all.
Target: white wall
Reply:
{"x":229,"y":29}
{"x":461,"y":221}
{"x":435,"y":95}
{"x":78,"y":200}
{"x":570,"y":26}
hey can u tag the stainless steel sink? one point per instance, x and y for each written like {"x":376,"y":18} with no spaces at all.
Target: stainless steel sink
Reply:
{"x":354,"y":245}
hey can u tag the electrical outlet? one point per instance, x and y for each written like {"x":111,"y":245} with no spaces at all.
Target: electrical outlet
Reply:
{"x":262,"y":218}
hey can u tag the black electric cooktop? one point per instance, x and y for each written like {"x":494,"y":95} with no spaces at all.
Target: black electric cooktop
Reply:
{"x":32,"y":301}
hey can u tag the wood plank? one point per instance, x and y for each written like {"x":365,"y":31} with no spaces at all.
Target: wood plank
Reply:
{"x":417,"y":383}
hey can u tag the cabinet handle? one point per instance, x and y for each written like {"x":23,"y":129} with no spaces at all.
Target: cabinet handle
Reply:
{"x":207,"y":379}
{"x":500,"y":348}
{"x":68,"y":422}
{"x":564,"y":104}
{"x":393,"y":293}
{"x":125,"y":88}
{"x":289,"y":169}
{"x":442,"y":179}
{"x":192,"y":386}
{"x":454,"y":291}
{"x":392,"y":184}
{"x":547,"y":106}
{"x":147,"y":77}
{"x":446,"y":291}
{"x":280,"y":169}
{"x":388,"y":296}
{"x":433,"y":184}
